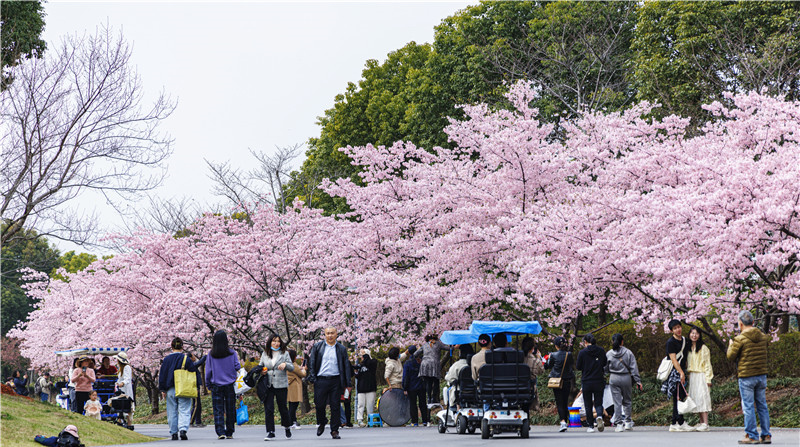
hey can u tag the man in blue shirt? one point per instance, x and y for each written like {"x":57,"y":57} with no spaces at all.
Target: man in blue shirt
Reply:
{"x":330,"y":373}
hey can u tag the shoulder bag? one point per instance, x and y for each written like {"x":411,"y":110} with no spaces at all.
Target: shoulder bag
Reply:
{"x":666,"y":364}
{"x":185,"y":381}
{"x":558,"y":382}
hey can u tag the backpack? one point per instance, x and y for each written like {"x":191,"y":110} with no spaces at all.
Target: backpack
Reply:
{"x":37,"y":389}
{"x":68,"y":440}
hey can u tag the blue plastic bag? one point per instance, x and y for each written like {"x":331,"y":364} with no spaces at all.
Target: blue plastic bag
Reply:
{"x":242,"y":415}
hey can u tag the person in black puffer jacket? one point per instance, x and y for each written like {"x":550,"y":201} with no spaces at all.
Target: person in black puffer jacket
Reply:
{"x":562,"y":364}
{"x":592,"y":363}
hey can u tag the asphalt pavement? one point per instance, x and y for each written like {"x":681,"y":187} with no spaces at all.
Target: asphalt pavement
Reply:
{"x":248,"y":436}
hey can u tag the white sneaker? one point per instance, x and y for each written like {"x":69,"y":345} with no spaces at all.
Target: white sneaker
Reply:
{"x":563,"y":427}
{"x":629,"y":425}
{"x":600,"y":424}
{"x":619,"y":428}
{"x":590,"y":430}
{"x":295,"y":426}
{"x":701,"y":427}
{"x":686,"y":427}
{"x":675,"y":427}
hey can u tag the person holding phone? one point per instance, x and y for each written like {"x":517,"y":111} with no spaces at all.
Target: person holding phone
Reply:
{"x":83,"y":376}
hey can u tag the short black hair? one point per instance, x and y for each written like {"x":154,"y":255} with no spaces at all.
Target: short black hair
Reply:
{"x":500,"y":340}
{"x":393,"y":353}
{"x":672,"y":323}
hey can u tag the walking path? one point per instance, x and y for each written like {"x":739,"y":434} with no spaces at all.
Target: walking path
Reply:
{"x":249,"y":435}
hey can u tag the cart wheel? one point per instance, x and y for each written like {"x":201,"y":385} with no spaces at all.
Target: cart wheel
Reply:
{"x":442,"y":427}
{"x":485,"y":429}
{"x":525,"y":431}
{"x":471,"y":429}
{"x":461,"y":424}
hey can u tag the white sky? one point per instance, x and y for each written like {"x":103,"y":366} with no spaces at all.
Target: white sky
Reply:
{"x":245,"y":74}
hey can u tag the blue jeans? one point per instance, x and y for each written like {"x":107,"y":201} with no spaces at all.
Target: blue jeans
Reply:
{"x":179,"y":412}
{"x":753,"y":392}
{"x":44,"y":397}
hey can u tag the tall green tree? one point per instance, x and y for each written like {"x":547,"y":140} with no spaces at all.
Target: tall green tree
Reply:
{"x":31,"y":252}
{"x":23,"y":23}
{"x":691,"y":53}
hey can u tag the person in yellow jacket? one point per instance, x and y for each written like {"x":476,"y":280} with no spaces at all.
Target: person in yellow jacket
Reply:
{"x":749,"y":349}
{"x":700,"y":375}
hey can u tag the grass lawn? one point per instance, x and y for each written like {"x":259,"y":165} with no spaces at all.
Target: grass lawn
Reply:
{"x":22,"y":419}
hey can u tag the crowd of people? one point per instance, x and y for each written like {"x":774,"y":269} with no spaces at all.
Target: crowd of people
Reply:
{"x":280,"y":373}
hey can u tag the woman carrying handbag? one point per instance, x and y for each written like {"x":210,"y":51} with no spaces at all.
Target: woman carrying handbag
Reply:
{"x":275,"y":363}
{"x":561,"y":379}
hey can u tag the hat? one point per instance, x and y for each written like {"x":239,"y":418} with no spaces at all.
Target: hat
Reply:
{"x":673,"y":323}
{"x":122,"y":357}
{"x":73,"y":430}
{"x":484,"y":340}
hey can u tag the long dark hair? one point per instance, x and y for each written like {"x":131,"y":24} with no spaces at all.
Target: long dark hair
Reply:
{"x":219,"y":345}
{"x":699,"y":338}
{"x":616,"y":341}
{"x":268,"y":350}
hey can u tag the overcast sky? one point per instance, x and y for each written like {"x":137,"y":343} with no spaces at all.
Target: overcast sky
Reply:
{"x":246,"y":74}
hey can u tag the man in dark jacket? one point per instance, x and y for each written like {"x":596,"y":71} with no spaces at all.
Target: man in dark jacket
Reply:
{"x":592,"y":363}
{"x":749,"y":349}
{"x":329,"y":371}
{"x":365,"y":371}
{"x":414,"y":388}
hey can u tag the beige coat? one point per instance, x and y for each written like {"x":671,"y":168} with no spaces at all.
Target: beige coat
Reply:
{"x":393,"y":373}
{"x":295,"y":384}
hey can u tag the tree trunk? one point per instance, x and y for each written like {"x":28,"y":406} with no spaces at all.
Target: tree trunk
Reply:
{"x":305,"y":406}
{"x":784,"y":327}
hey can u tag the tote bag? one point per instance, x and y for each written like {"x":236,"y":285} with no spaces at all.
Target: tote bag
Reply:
{"x":666,"y":364}
{"x":686,"y":405}
{"x":185,"y":381}
{"x":242,"y":415}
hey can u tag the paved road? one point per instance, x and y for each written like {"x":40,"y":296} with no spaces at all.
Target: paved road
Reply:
{"x":249,"y":436}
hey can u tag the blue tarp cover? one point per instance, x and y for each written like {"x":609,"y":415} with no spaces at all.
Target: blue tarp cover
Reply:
{"x":509,"y":327}
{"x":490,"y":328}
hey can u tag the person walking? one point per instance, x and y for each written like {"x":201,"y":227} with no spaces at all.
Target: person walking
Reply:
{"x":533,"y":358}
{"x":414,"y":388}
{"x":700,"y":374}
{"x":222,"y":368}
{"x":196,"y":420}
{"x":125,"y":381}
{"x":562,"y":364}
{"x":330,"y":375}
{"x":365,"y":370}
{"x":621,"y":364}
{"x":592,"y":363}
{"x":84,"y":377}
{"x":275,"y":362}
{"x":44,"y":386}
{"x":675,"y":385}
{"x":178,"y":408}
{"x":749,"y":349}
{"x":295,"y":396}
{"x":430,"y":370}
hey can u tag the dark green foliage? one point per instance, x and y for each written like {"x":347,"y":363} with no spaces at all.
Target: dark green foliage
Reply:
{"x":31,"y":252}
{"x":23,"y":23}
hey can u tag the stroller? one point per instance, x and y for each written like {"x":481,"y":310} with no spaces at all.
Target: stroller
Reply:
{"x":117,"y":409}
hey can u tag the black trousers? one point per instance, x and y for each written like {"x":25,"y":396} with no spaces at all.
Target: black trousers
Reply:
{"x":347,"y":413}
{"x":562,"y":400}
{"x":81,"y":397}
{"x":432,"y":389}
{"x":593,"y":399}
{"x":680,"y":393}
{"x":328,"y":392}
{"x":293,"y":411}
{"x":197,"y":408}
{"x":273,"y":395}
{"x":416,"y":400}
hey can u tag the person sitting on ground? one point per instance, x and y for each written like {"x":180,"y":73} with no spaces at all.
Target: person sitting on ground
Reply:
{"x":20,"y":383}
{"x":67,"y":438}
{"x":93,"y":408}
{"x":106,"y":368}
{"x":479,"y":359}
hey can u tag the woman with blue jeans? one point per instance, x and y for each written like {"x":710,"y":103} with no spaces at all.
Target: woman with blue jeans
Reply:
{"x":178,"y":408}
{"x":222,"y":367}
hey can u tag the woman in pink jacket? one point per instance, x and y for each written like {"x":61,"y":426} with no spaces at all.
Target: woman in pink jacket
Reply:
{"x":83,"y":377}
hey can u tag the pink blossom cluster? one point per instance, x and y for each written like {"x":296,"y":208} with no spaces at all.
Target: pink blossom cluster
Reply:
{"x":647,"y":219}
